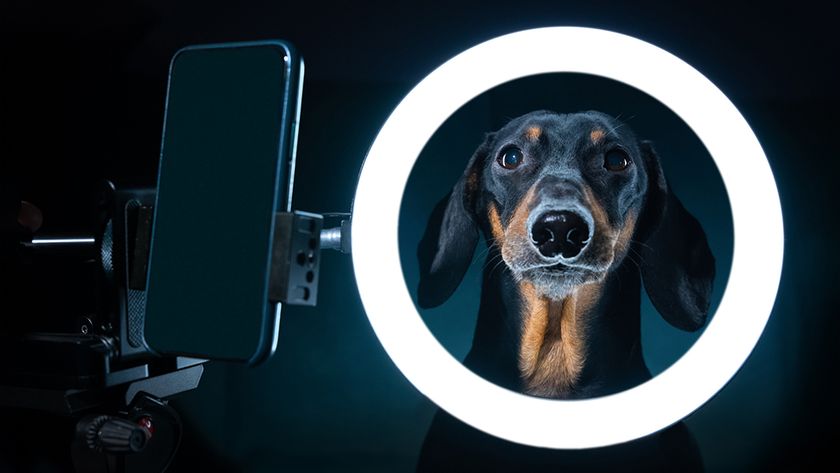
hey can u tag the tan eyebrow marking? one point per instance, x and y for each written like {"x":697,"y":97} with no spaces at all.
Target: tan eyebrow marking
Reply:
{"x":533,"y":133}
{"x":596,"y":135}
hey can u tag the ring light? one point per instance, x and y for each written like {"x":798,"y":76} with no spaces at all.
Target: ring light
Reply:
{"x":667,"y":398}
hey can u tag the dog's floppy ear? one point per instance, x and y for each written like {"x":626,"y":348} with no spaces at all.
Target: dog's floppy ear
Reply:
{"x":447,"y":246}
{"x":677,"y":266}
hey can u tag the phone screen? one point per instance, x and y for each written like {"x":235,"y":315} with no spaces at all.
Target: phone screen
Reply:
{"x":226,"y":158}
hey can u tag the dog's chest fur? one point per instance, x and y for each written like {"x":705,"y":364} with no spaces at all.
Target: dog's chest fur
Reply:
{"x":553,"y":341}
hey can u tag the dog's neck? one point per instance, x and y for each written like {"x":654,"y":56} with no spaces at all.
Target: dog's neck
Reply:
{"x":587,"y":344}
{"x":553,"y":341}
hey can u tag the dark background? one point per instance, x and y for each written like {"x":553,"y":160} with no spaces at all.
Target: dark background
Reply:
{"x":81,"y":98}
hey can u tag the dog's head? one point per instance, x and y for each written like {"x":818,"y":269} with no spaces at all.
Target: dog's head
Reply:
{"x":565,"y":198}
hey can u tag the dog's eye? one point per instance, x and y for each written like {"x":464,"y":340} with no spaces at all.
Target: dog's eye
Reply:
{"x":510,"y":158}
{"x":616,"y":160}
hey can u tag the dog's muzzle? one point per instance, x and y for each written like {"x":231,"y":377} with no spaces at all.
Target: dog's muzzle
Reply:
{"x":560,"y":233}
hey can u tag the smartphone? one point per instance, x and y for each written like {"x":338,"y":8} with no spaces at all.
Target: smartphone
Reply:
{"x":226,"y":168}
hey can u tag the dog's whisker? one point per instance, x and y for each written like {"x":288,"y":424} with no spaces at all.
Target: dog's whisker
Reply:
{"x":639,"y":242}
{"x":492,"y":263}
{"x":481,"y":255}
{"x":499,"y":263}
{"x":632,"y":254}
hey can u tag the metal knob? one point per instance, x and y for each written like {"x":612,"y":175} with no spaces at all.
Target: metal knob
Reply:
{"x":116,"y":435}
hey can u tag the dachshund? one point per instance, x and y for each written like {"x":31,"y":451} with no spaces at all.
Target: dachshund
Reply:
{"x":577,"y":214}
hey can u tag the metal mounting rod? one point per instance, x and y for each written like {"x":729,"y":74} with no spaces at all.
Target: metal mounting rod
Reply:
{"x":337,"y":238}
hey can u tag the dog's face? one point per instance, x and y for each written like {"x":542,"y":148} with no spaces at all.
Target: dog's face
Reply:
{"x":565,"y":198}
{"x":560,"y":195}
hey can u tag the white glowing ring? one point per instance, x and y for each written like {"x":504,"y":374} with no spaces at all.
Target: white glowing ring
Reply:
{"x":667,"y":398}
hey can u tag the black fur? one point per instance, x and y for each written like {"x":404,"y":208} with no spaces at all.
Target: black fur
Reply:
{"x":668,"y":252}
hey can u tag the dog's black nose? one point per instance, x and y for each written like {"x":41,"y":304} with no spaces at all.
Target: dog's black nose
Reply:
{"x":560,"y":233}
